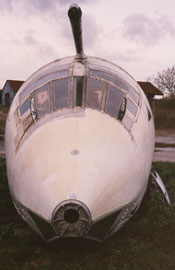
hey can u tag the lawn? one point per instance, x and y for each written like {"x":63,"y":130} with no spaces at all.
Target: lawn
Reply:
{"x":146,"y":242}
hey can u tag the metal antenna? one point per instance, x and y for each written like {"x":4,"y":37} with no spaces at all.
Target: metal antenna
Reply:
{"x":74,"y":14}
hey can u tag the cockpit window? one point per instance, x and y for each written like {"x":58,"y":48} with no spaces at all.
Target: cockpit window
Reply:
{"x":61,"y":93}
{"x":117,"y":81}
{"x":46,"y":77}
{"x":94,"y":93}
{"x":131,"y":107}
{"x":42,"y":101}
{"x":101,"y":74}
{"x":25,"y":106}
{"x":86,"y":86}
{"x":128,"y":89}
{"x":25,"y":113}
{"x":114,"y":100}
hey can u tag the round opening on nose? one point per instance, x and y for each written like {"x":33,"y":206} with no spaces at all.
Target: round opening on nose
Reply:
{"x":71,"y":216}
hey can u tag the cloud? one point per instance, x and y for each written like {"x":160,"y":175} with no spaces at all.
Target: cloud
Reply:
{"x":90,"y":31}
{"x":167,"y":26}
{"x":30,"y":47}
{"x":40,"y":4}
{"x":6,"y":5}
{"x":25,"y":7}
{"x":36,"y":6}
{"x":29,"y":38}
{"x":70,"y":1}
{"x":38,"y":47}
{"x":143,"y":29}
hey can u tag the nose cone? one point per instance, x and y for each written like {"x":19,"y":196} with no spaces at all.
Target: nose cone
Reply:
{"x":71,"y":218}
{"x":85,"y":156}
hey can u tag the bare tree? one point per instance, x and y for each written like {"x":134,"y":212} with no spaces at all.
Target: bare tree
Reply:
{"x":165,"y":81}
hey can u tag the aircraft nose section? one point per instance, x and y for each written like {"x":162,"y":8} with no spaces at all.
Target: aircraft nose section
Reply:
{"x":71,"y":218}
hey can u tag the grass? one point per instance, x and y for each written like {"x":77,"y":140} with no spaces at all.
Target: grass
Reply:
{"x":145,"y":242}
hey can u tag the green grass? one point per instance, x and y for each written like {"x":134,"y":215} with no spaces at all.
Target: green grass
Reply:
{"x":145,"y":242}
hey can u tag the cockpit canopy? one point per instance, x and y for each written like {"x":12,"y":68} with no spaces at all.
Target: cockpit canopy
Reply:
{"x":89,"y":83}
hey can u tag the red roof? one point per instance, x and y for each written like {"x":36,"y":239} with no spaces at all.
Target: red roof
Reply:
{"x":15,"y":85}
{"x":149,"y":88}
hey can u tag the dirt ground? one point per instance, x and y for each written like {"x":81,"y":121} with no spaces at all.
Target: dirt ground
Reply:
{"x":166,"y":132}
{"x":166,"y":136}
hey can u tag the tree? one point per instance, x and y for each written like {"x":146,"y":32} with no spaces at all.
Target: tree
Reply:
{"x":165,"y":81}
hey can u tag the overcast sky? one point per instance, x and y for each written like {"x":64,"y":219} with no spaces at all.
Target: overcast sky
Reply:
{"x":137,"y":35}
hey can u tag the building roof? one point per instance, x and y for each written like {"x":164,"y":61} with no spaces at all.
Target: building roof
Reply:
{"x":149,"y":88}
{"x":15,"y":85}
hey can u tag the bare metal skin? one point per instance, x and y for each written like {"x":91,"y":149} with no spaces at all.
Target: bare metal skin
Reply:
{"x":79,"y":146}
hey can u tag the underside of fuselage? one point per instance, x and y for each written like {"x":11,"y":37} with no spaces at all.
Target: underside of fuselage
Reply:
{"x":72,"y":219}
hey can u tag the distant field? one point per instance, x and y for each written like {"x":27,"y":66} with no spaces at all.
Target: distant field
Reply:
{"x":165,"y":113}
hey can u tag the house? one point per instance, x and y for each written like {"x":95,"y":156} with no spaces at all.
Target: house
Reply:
{"x":9,"y":91}
{"x":150,"y":91}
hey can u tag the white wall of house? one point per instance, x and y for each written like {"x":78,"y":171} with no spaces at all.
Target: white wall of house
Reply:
{"x":7,"y":90}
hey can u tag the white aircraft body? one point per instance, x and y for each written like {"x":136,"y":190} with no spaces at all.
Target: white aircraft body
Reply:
{"x":79,"y":144}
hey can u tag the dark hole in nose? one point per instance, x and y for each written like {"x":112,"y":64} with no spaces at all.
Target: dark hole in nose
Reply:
{"x":71,"y":216}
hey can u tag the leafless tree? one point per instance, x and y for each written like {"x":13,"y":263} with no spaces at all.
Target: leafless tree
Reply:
{"x":165,"y":81}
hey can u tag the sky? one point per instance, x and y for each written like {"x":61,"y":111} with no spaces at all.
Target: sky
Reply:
{"x":137,"y":35}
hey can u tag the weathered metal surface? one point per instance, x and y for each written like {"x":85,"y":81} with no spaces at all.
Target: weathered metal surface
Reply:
{"x":81,"y":152}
